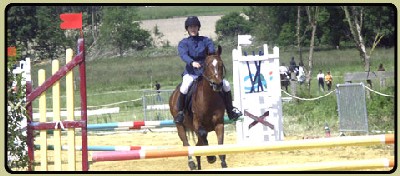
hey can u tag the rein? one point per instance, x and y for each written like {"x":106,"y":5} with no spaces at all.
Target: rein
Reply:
{"x":207,"y":77}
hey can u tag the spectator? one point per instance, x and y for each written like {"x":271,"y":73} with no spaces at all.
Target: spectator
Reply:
{"x":381,"y":68}
{"x":382,"y":81}
{"x":328,"y":80}
{"x":292,"y":65}
{"x":283,"y":71}
{"x":294,"y":70}
{"x":302,"y":76}
{"x":158,"y":86}
{"x":320,"y":78}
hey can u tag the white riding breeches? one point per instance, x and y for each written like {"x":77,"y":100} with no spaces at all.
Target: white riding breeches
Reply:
{"x":188,"y":79}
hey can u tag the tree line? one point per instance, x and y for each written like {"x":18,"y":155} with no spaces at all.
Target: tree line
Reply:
{"x":35,"y":29}
{"x":361,"y":27}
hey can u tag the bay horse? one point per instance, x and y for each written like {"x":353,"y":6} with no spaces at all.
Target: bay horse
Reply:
{"x":285,"y":82}
{"x":207,"y":108}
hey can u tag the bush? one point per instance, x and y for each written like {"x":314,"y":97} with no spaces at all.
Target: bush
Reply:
{"x":231,"y":25}
{"x":16,"y":139}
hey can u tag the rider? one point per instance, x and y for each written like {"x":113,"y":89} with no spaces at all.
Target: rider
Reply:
{"x":192,"y":51}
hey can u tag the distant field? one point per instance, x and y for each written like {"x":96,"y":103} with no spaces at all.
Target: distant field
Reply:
{"x":170,"y":19}
{"x":173,"y":28}
{"x":163,"y":12}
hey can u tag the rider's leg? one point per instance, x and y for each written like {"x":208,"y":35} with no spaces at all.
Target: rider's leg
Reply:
{"x":186,"y":82}
{"x":233,"y":112}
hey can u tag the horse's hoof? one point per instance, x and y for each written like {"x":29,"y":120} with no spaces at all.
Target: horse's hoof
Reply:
{"x":223,"y":165}
{"x":192,"y":165}
{"x":211,"y":159}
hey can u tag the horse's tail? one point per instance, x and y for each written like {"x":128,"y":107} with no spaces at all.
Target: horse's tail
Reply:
{"x":190,"y":133}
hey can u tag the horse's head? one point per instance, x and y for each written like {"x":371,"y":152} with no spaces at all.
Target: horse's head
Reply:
{"x":214,"y":71}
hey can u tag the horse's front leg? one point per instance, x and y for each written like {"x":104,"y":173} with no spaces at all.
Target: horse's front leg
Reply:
{"x":182,"y":135}
{"x":219,"y":130}
{"x":201,"y":140}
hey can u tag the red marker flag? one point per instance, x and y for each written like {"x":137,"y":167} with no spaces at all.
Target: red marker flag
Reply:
{"x":71,"y":21}
{"x":11,"y":51}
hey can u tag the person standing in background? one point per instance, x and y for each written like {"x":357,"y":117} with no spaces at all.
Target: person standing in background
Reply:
{"x":382,"y":81}
{"x":328,"y":80}
{"x":158,"y":86}
{"x":320,"y":78}
{"x":381,"y":68}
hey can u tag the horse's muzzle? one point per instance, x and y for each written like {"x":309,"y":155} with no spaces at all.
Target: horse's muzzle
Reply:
{"x":216,"y":87}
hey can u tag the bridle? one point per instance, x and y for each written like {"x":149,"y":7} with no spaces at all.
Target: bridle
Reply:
{"x":215,"y":86}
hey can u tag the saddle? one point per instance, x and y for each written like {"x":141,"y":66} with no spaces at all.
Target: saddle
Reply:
{"x":188,"y":100}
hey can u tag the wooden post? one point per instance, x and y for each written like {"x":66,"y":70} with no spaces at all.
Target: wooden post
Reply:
{"x":70,"y":116}
{"x":56,"y":118}
{"x":42,"y":112}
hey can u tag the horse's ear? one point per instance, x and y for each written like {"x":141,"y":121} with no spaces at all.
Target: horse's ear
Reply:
{"x":219,"y":50}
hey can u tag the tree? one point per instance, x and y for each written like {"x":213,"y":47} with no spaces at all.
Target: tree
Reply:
{"x":312,"y":13}
{"x":231,"y":25}
{"x":267,"y":21}
{"x":354,"y":17}
{"x":50,"y":39}
{"x":299,"y":38}
{"x":334,"y":30}
{"x":121,"y":29}
{"x":379,"y":22}
{"x":21,"y":27}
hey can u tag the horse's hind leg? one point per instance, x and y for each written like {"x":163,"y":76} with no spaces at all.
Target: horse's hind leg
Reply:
{"x":219,"y":130}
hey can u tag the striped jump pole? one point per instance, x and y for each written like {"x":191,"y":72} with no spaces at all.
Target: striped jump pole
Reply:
{"x":137,"y":124}
{"x":234,"y":148}
{"x":131,"y":125}
{"x":377,"y":163}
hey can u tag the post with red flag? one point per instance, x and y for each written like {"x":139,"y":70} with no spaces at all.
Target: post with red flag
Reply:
{"x":74,"y":21}
{"x":71,"y":21}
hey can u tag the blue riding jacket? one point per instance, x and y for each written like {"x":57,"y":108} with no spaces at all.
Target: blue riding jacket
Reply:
{"x":192,"y":49}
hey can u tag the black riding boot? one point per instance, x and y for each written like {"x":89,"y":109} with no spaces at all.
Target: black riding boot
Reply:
{"x":233,"y":113}
{"x":181,"y":102}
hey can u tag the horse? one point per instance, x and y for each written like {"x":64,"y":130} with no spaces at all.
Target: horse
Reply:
{"x":285,"y":80}
{"x":207,"y":108}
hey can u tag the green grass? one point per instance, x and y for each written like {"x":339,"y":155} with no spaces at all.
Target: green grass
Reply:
{"x":163,"y":12}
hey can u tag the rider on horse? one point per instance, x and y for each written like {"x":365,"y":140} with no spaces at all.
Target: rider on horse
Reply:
{"x":192,"y":51}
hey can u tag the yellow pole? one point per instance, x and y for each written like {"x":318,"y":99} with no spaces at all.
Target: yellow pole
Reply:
{"x":293,"y":145}
{"x":70,"y":113}
{"x":56,"y":118}
{"x":378,"y":163}
{"x":42,"y":113}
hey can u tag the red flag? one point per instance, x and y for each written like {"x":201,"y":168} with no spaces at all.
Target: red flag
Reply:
{"x":71,"y":21}
{"x":11,"y":51}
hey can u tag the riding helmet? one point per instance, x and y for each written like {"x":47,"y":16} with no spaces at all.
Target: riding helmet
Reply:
{"x":192,"y":20}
